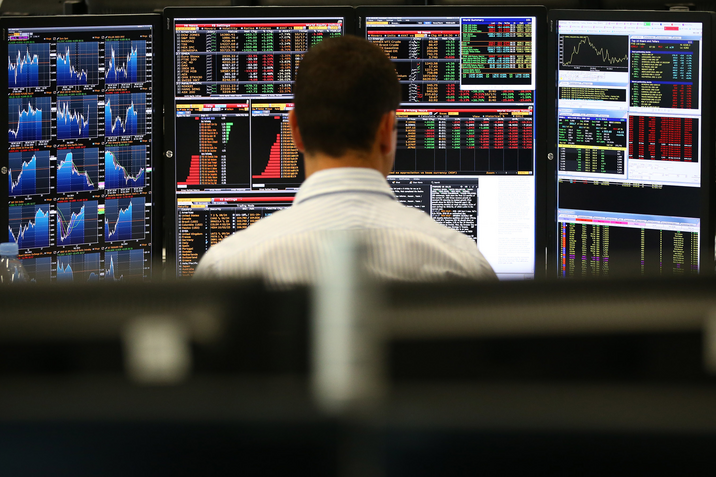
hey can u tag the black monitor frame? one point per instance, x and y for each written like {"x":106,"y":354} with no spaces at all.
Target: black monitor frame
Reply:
{"x":541,"y":71}
{"x":155,"y":148}
{"x":170,"y":15}
{"x":706,"y":190}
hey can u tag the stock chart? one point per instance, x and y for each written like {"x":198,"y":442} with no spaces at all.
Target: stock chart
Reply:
{"x":80,"y":119}
{"x":630,"y":137}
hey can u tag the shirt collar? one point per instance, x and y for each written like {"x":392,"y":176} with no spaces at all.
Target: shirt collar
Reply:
{"x":344,"y":180}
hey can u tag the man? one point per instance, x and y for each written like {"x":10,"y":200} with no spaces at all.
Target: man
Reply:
{"x":344,"y":122}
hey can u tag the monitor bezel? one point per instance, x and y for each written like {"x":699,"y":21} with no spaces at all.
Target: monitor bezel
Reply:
{"x":541,"y":71}
{"x":706,"y":234}
{"x":70,"y":21}
{"x":170,"y":15}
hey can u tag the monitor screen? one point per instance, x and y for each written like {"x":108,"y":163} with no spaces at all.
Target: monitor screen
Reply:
{"x":231,"y":82}
{"x":468,"y":121}
{"x":632,"y":145}
{"x":82,"y":117}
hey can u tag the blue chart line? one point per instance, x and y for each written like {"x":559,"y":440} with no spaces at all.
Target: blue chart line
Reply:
{"x":124,"y":114}
{"x":78,"y":268}
{"x":39,"y":269}
{"x":124,"y":167}
{"x":124,"y":265}
{"x":76,"y":117}
{"x":29,"y":119}
{"x":125,"y":61}
{"x":29,"y":173}
{"x":124,"y":219}
{"x":29,"y":225}
{"x":76,"y":222}
{"x":28,"y":65}
{"x":77,"y":63}
{"x":77,"y":169}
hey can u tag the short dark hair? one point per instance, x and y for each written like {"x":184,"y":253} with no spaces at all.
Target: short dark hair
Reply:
{"x":343,"y":87}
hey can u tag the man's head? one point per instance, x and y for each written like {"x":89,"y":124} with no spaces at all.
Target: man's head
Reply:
{"x":345,"y":89}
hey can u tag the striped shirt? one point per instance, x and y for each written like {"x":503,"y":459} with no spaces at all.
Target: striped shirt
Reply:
{"x":399,"y":243}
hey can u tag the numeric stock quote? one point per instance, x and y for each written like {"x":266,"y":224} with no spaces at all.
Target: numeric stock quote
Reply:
{"x":235,"y":161}
{"x":466,"y":124}
{"x":629,"y":146}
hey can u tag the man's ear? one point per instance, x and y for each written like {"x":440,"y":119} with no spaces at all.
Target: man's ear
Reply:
{"x":386,"y":141}
{"x":295,"y":133}
{"x":385,"y":133}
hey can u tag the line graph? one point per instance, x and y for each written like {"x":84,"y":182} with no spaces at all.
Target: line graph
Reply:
{"x":125,"y":61}
{"x":29,"y":225}
{"x":124,"y":265}
{"x":77,"y":117}
{"x":28,"y":65}
{"x":77,"y":222}
{"x":29,"y":119}
{"x":124,"y":167}
{"x":77,"y":169}
{"x":124,"y":114}
{"x":39,"y":269}
{"x":124,"y":219}
{"x":594,"y":53}
{"x":82,"y":267}
{"x":77,"y":63}
{"x":29,"y":173}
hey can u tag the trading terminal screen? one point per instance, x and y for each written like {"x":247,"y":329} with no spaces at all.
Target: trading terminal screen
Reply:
{"x":235,"y":161}
{"x":629,"y":147}
{"x":81,"y":110}
{"x":466,"y":126}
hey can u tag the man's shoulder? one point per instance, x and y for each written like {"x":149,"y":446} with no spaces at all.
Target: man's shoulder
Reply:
{"x":298,"y":236}
{"x":390,"y":253}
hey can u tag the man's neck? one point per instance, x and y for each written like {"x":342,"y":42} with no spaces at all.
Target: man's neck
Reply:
{"x":319,"y":161}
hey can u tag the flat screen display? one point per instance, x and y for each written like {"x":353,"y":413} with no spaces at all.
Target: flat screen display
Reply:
{"x":632,"y":143}
{"x":82,"y":110}
{"x":468,"y":121}
{"x":231,"y":78}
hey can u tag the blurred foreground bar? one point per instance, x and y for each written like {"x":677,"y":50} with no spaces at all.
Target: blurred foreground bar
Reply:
{"x":194,"y":378}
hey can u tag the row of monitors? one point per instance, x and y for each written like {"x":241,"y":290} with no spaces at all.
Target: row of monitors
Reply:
{"x":577,"y":143}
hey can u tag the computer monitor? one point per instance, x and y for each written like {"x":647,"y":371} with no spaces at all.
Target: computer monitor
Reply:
{"x":468,"y":125}
{"x":232,"y":161}
{"x":632,"y":146}
{"x":144,"y":6}
{"x":83,"y":121}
